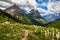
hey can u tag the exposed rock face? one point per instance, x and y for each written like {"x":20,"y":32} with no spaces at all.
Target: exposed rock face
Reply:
{"x":35,"y":14}
{"x":14,"y":10}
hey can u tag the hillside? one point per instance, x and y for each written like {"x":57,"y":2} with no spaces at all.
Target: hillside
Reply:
{"x":55,"y":24}
{"x":31,"y":18}
{"x":11,"y":29}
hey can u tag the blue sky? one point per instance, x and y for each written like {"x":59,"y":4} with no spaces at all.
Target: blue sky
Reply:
{"x":41,"y":1}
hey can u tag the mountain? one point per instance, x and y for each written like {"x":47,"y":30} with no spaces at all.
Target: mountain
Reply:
{"x":14,"y":10}
{"x":31,"y":18}
{"x":52,"y":17}
{"x":48,"y":9}
{"x":35,"y":15}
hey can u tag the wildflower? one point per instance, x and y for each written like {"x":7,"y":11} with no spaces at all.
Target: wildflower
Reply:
{"x":7,"y":22}
{"x":58,"y":35}
{"x":14,"y":35}
{"x":56,"y":30}
{"x":3,"y":23}
{"x":11,"y":24}
{"x":45,"y":33}
{"x":7,"y":34}
{"x":48,"y":32}
{"x":36,"y":29}
{"x":52,"y":28}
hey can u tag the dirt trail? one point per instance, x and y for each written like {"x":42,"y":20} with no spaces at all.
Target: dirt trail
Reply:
{"x":25,"y":35}
{"x":26,"y":32}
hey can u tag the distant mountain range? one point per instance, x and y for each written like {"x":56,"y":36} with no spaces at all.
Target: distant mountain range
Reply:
{"x":22,"y":17}
{"x":48,"y":13}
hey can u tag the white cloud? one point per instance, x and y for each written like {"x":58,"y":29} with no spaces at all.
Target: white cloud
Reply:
{"x":2,"y":8}
{"x":4,"y":5}
{"x":54,"y":7}
{"x":20,"y":2}
{"x":26,"y":3}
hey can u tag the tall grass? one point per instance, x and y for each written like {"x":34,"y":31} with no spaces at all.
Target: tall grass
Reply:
{"x":15,"y":31}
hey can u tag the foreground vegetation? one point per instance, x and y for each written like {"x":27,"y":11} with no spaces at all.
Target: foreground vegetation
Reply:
{"x":16,"y":31}
{"x":12,"y":30}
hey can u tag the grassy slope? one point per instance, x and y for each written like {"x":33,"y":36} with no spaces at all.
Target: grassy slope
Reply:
{"x":12,"y":30}
{"x":55,"y":24}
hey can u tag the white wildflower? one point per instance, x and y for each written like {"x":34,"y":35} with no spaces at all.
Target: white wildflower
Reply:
{"x":45,"y":33}
{"x":3,"y":24}
{"x":56,"y":30}
{"x":14,"y":35}
{"x":52,"y":38}
{"x":7,"y":34}
{"x":50,"y":33}
{"x":58,"y":35}
{"x":16,"y":24}
{"x":7,"y":22}
{"x":53,"y":33}
{"x":52,"y":28}
{"x":36,"y":29}
{"x":11,"y":24}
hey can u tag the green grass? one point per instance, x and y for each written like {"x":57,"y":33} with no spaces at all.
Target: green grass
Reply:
{"x":13,"y":30}
{"x":24,"y":19}
{"x":41,"y":20}
{"x":55,"y":24}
